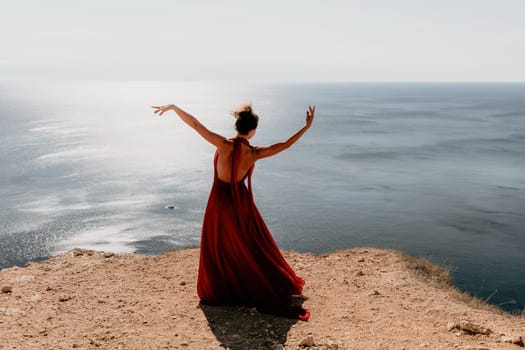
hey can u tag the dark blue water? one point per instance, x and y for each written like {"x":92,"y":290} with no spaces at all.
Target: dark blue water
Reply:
{"x":435,"y":170}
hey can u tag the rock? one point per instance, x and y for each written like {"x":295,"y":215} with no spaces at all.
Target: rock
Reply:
{"x":108,"y":255}
{"x":375,"y":292}
{"x":7,"y":289}
{"x":469,"y":327}
{"x":183,"y":283}
{"x":473,"y":328}
{"x":451,"y":326}
{"x":307,"y":342}
{"x":35,"y":298}
{"x":64,"y":297}
{"x":56,"y":266}
{"x":360,"y":273}
{"x":361,"y":260}
{"x":77,"y":252}
{"x":80,"y":252}
{"x":8,"y":311}
{"x":518,"y":340}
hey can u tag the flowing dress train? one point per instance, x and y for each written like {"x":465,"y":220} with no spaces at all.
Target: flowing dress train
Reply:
{"x":240,"y":262}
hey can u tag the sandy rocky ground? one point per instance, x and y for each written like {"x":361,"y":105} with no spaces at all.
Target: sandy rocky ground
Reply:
{"x":362,"y":298}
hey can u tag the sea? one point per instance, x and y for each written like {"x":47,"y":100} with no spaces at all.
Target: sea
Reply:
{"x":436,"y":170}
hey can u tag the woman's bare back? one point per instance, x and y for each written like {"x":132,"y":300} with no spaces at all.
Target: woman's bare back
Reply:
{"x":224,"y":161}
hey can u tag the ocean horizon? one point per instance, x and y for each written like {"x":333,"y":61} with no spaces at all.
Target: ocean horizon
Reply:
{"x":436,"y":170}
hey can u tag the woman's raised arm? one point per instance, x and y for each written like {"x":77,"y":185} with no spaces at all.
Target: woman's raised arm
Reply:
{"x":210,"y":136}
{"x":268,"y":151}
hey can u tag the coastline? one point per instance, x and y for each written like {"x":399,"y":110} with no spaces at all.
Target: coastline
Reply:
{"x":362,"y":298}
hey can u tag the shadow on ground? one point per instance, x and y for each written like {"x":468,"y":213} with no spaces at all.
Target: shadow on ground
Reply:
{"x":242,"y":328}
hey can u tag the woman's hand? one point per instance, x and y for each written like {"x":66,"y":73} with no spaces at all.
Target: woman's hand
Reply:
{"x":310,"y":116}
{"x":160,"y":110}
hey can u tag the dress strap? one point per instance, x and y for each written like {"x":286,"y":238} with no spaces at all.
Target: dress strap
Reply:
{"x":236,"y":155}
{"x":215,"y":159}
{"x":235,"y":160}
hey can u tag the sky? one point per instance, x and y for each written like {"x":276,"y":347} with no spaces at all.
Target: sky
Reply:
{"x":270,"y":40}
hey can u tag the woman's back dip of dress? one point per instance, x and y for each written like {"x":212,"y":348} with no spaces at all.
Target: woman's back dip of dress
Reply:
{"x":240,"y":262}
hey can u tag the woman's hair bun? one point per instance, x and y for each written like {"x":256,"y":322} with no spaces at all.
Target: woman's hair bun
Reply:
{"x":243,"y":111}
{"x":246,"y":119}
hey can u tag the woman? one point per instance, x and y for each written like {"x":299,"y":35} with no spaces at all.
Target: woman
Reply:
{"x":239,"y":260}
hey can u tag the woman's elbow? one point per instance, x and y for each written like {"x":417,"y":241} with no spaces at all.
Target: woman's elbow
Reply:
{"x":286,"y":145}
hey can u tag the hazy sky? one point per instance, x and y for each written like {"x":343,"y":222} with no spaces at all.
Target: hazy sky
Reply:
{"x":372,"y":40}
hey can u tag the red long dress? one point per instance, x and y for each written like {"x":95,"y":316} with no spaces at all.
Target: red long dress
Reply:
{"x":240,"y":262}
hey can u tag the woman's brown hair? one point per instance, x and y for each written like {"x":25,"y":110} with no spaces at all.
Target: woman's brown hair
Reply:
{"x":246,"y":119}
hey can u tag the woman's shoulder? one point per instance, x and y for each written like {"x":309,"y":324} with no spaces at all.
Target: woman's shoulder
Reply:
{"x":226,"y":144}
